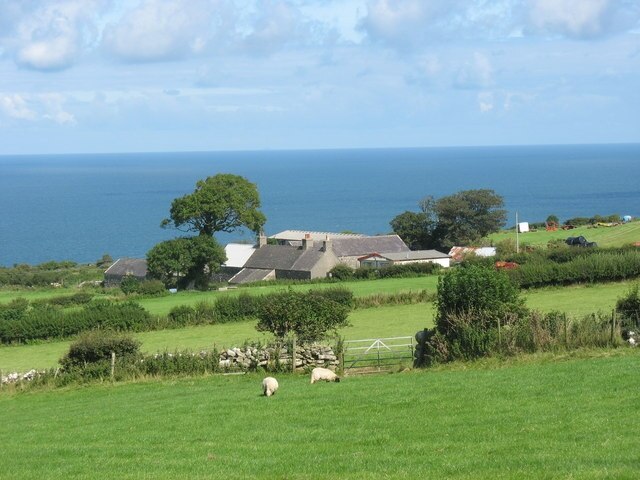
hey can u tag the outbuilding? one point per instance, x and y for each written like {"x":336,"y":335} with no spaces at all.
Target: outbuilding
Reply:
{"x":378,"y":260}
{"x":125,"y":267}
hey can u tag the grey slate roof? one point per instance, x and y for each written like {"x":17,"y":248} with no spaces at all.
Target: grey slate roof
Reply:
{"x":383,"y":244}
{"x":284,"y":257}
{"x":248,"y":275}
{"x":128,"y":266}
{"x":299,"y":235}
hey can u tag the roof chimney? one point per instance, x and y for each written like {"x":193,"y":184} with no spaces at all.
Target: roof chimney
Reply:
{"x":307,"y":242}
{"x":327,"y":244}
{"x":262,"y":239}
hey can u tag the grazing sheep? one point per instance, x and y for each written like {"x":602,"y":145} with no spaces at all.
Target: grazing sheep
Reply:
{"x":269,"y":386}
{"x":325,"y":374}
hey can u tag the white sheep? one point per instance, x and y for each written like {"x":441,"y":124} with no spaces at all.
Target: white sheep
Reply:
{"x":269,"y":386}
{"x":325,"y":374}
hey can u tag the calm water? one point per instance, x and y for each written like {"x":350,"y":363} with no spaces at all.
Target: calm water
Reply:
{"x":81,"y":206}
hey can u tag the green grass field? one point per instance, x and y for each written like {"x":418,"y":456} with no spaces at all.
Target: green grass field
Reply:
{"x":381,"y":322}
{"x":521,"y":420}
{"x":617,"y":236}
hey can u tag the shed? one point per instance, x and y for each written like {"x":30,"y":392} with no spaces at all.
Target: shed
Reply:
{"x":125,"y":267}
{"x":376,"y":260}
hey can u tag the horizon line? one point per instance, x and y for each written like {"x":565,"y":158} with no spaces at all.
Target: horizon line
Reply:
{"x":254,"y":150}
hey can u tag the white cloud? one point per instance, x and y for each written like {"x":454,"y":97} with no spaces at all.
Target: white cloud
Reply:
{"x":276,"y":24}
{"x":49,"y":35}
{"x":159,"y":30}
{"x":404,"y":23}
{"x":582,"y":19}
{"x":36,"y":107}
{"x":15,"y":106}
{"x":485,"y":102}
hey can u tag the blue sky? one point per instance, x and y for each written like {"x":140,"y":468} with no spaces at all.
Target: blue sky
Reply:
{"x":193,"y":75}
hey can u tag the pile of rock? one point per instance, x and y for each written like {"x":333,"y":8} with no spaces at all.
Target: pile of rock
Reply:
{"x":249,"y":358}
{"x":14,"y":377}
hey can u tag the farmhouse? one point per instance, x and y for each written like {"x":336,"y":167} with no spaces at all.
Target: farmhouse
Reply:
{"x":304,"y":255}
{"x":377,"y":260}
{"x":125,"y":267}
{"x":269,"y":262}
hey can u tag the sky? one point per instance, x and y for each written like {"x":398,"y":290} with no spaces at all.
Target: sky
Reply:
{"x":204,"y":75}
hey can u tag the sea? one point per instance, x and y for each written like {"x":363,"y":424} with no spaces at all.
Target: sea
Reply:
{"x":81,"y":206}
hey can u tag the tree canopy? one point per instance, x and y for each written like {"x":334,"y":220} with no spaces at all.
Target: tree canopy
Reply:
{"x":221,"y":203}
{"x":458,"y":219}
{"x":185,"y":261}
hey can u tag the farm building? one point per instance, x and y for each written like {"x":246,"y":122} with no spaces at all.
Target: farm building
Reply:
{"x":295,"y":237}
{"x":377,"y":260}
{"x":269,"y":262}
{"x":305,"y":257}
{"x":125,"y":267}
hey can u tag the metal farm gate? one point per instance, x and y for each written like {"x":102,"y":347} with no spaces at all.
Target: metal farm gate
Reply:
{"x":377,"y":353}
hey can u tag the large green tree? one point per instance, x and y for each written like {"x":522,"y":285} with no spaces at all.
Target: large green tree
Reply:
{"x":459,"y":219}
{"x":185,"y":262}
{"x":221,"y":203}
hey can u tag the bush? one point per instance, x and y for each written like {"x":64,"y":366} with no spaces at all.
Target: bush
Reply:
{"x":628,"y":307}
{"x":182,"y":315}
{"x":235,"y":308}
{"x":472,"y":304}
{"x":96,"y":346}
{"x":307,"y":315}
{"x":340,"y":295}
{"x":80,"y":298}
{"x":152,"y":288}
{"x":341,"y":272}
{"x":129,"y":285}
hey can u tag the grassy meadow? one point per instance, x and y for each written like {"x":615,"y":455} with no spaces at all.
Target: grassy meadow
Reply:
{"x":526,"y":420}
{"x":379,"y":322}
{"x":617,"y":236}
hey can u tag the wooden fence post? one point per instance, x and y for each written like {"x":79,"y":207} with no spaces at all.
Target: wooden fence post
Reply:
{"x":113,"y":364}
{"x":293,"y":354}
{"x":499,"y":336}
{"x":566,"y":333}
{"x":613,"y":325}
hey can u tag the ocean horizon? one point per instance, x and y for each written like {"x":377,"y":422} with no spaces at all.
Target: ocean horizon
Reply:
{"x":81,"y":206}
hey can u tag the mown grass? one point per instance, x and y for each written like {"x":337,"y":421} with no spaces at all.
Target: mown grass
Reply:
{"x":527,"y":420}
{"x":617,"y":236}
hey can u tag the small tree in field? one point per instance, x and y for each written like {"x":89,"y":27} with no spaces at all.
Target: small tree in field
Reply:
{"x":310,"y":317}
{"x":472,"y":303}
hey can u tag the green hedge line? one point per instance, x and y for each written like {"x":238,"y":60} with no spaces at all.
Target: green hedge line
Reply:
{"x":20,"y":322}
{"x":601,"y":266}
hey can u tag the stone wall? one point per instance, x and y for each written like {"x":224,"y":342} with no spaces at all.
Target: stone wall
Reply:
{"x":308,"y":356}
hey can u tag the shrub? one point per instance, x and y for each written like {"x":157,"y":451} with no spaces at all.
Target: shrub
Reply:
{"x":80,"y":298}
{"x":307,"y":315}
{"x":235,"y":308}
{"x":473,"y":304}
{"x":96,"y":346}
{"x":340,"y":295}
{"x":129,"y":285}
{"x":152,"y":288}
{"x":182,"y":315}
{"x":341,"y":272}
{"x":628,"y":307}
{"x":205,"y":312}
